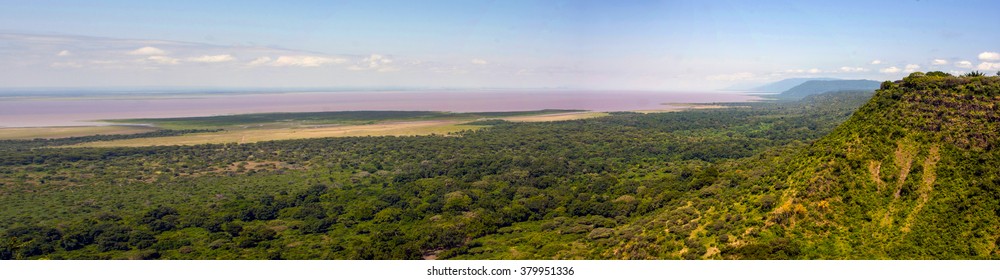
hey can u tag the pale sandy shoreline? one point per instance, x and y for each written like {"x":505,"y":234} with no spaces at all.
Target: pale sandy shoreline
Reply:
{"x":677,"y":107}
{"x":249,"y":135}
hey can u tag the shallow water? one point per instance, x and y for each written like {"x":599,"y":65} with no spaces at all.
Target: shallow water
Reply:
{"x":27,"y":112}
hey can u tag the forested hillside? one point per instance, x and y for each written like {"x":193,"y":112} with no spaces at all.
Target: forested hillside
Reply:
{"x":911,"y":175}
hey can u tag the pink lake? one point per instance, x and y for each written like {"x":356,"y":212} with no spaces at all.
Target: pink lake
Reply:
{"x":28,"y":112}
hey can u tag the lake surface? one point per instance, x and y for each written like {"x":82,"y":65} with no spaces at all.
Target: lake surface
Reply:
{"x":77,"y":111}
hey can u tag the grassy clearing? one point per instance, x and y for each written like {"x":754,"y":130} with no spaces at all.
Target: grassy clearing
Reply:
{"x":684,"y":106}
{"x":268,"y":134}
{"x":27,"y":133}
{"x":556,"y":117}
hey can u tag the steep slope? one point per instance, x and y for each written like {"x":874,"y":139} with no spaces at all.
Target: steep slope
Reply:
{"x":816,"y":87}
{"x":911,"y":175}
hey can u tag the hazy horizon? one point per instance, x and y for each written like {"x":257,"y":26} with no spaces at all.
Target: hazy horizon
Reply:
{"x":85,"y":110}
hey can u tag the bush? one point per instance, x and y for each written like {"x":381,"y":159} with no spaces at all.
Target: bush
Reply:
{"x":601,"y":233}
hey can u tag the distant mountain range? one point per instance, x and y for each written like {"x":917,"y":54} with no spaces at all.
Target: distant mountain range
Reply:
{"x":786,"y":84}
{"x":797,"y":88}
{"x":808,"y":88}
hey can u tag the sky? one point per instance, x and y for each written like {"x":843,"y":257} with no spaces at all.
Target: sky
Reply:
{"x":634,"y":45}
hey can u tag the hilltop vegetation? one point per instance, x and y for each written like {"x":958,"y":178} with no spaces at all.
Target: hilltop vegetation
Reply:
{"x":910,"y":175}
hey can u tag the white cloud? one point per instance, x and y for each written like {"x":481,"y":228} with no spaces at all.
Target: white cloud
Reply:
{"x":64,"y":53}
{"x":911,"y":68}
{"x":732,"y":77}
{"x":876,"y":62}
{"x":163,"y":60}
{"x":212,"y":58}
{"x":890,"y":70}
{"x":479,"y":61}
{"x":989,"y":56}
{"x":963,"y":64}
{"x":147,"y":51}
{"x":375,"y":62}
{"x":260,"y":61}
{"x":104,"y":62}
{"x":63,"y":65}
{"x":989,"y":66}
{"x":846,"y":69}
{"x":814,"y":71}
{"x":939,"y":62}
{"x":302,"y":61}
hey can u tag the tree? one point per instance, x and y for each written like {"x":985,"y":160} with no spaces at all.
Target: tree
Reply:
{"x":10,"y":248}
{"x":974,"y":74}
{"x":938,"y":74}
{"x":250,"y":236}
{"x":113,"y":237}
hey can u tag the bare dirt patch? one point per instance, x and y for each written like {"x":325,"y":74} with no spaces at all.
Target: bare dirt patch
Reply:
{"x":257,"y":135}
{"x":904,"y":159}
{"x":926,"y":186}
{"x":875,"y":167}
{"x":677,"y":107}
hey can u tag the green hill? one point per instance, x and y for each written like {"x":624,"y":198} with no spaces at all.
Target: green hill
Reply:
{"x":911,"y":175}
{"x":816,"y":87}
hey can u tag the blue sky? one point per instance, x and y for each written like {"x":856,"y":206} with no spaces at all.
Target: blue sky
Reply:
{"x":661,"y":45}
